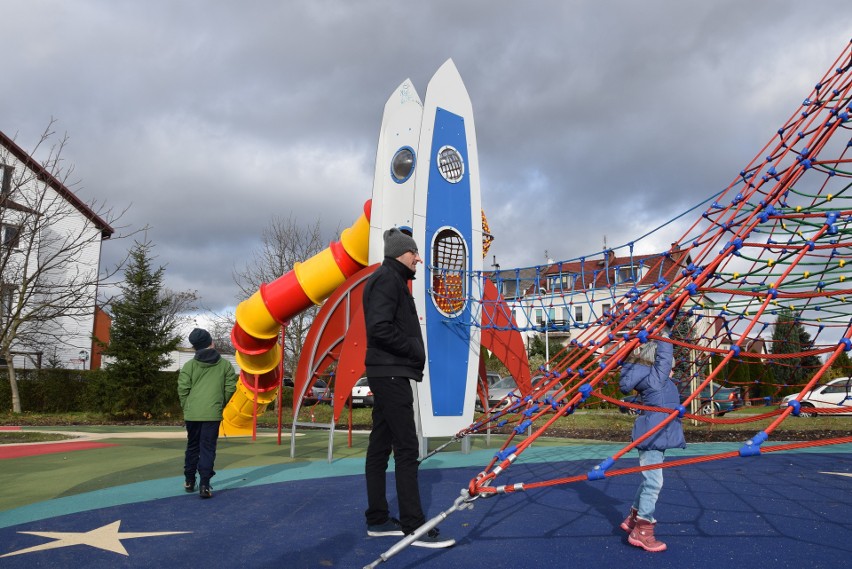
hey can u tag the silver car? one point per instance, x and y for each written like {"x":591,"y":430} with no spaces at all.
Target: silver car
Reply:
{"x":499,"y":394}
{"x":835,"y":394}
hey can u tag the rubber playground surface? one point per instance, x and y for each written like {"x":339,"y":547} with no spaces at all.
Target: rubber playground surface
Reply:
{"x":115,"y":499}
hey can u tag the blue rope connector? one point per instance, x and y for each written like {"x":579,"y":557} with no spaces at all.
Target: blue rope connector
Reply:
{"x":692,"y":288}
{"x":599,"y":472}
{"x":503,"y":422}
{"x":504,"y":454}
{"x":847,"y":343}
{"x":585,"y":390}
{"x":643,"y":336}
{"x":752,"y":446}
{"x":797,"y":407}
{"x":681,"y":411}
{"x":522,"y":427}
{"x":736,"y":350}
{"x":531,"y":411}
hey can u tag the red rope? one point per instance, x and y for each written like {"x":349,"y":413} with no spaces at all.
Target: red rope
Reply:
{"x":511,"y":488}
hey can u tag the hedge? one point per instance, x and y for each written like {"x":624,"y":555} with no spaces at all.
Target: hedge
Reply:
{"x":70,"y":391}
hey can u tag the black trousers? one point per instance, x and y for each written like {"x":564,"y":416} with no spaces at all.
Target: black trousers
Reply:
{"x":201,"y":438}
{"x":393,"y":430}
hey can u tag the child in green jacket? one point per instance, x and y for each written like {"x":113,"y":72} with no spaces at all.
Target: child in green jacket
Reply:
{"x":205,"y":385}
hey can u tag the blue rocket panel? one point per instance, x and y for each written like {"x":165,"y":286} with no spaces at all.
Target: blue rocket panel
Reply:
{"x":448,"y":205}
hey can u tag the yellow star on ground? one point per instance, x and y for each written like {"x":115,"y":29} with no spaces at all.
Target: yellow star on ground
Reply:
{"x":105,"y":537}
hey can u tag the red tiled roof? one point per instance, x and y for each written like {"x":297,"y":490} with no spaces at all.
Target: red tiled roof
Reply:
{"x":601,"y":273}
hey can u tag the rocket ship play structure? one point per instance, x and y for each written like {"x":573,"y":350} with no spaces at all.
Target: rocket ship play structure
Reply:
{"x":427,"y":184}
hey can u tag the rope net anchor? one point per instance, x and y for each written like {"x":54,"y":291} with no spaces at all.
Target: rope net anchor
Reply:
{"x":463,"y":502}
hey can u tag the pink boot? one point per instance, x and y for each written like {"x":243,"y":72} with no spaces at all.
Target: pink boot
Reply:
{"x":643,"y":536}
{"x":630,"y":521}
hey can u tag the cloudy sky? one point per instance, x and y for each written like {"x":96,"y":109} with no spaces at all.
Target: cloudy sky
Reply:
{"x":595,"y":119}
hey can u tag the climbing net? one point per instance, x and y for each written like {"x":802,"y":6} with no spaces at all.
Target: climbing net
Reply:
{"x":753,"y":296}
{"x":768,"y":252}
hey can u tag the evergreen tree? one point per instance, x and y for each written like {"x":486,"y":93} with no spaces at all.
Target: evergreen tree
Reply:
{"x":810,"y":363}
{"x":142,"y":335}
{"x":685,"y":358}
{"x":841,"y":366}
{"x":787,"y":335}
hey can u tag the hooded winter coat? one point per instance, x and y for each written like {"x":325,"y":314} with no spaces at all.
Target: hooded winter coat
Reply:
{"x":656,"y":390}
{"x":205,"y":385}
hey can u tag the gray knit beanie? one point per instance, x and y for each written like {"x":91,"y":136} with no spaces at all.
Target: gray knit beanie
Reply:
{"x":398,"y":243}
{"x":644,"y":353}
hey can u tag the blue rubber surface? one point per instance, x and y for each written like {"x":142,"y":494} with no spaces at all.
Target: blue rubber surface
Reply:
{"x":780,"y":510}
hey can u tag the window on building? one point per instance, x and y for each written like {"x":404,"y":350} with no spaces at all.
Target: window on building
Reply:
{"x":578,"y":313}
{"x":605,"y":307}
{"x":626,"y":274}
{"x":7,"y":298}
{"x":538,"y":317}
{"x":11,"y":235}
{"x":562,"y":282}
{"x":6,"y":178}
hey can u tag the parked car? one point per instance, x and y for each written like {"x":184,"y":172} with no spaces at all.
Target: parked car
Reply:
{"x":498,"y":392}
{"x":361,"y":394}
{"x":555,"y":391}
{"x":836,"y":393}
{"x":492,"y":378}
{"x":320,"y":391}
{"x":713,"y":399}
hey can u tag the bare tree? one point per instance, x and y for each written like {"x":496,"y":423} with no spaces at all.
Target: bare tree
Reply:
{"x":220,"y":326}
{"x":49,"y":251}
{"x":285,"y":242}
{"x":179,"y":308}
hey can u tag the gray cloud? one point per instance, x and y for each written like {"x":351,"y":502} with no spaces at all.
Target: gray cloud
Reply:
{"x":594,"y":119}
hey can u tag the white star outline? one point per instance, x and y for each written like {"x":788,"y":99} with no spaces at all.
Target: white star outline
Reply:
{"x":105,"y":537}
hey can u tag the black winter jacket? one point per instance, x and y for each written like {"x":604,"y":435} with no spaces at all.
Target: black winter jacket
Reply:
{"x":394,"y":341}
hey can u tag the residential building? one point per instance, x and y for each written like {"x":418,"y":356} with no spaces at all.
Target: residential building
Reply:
{"x":562,"y":299}
{"x":50,"y":251}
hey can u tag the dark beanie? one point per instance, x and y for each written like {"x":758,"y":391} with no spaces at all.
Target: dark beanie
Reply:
{"x":200,"y":339}
{"x":398,"y":243}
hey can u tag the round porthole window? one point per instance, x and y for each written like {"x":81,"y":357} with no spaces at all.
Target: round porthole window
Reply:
{"x":450,"y":164}
{"x":402,"y":164}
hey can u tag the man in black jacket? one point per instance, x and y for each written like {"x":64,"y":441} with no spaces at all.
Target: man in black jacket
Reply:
{"x":395,"y":355}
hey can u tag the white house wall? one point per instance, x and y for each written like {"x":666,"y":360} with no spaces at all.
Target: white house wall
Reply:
{"x":179,"y":357}
{"x":65,"y":337}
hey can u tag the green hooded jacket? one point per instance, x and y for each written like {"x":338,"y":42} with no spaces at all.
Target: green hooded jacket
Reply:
{"x":205,"y":388}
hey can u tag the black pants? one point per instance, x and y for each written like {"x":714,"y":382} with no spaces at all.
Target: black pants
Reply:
{"x":393,"y":429}
{"x":201,"y":438}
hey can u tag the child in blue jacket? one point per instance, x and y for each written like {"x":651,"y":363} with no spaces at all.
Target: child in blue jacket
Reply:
{"x":647,"y":371}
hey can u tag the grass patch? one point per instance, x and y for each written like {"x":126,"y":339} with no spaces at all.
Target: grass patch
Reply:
{"x":13,"y":437}
{"x":600,"y":424}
